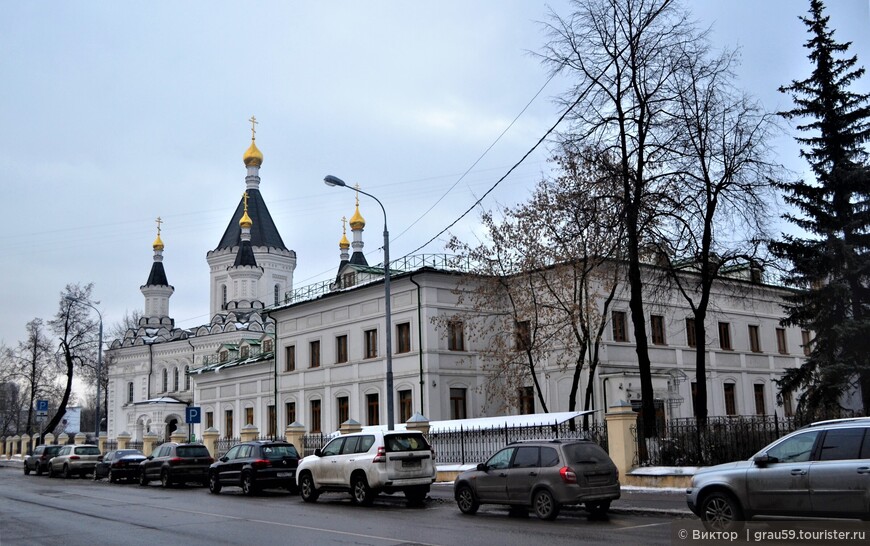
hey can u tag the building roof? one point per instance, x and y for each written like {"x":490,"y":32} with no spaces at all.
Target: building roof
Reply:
{"x":245,"y":255}
{"x":157,"y":277}
{"x":263,"y":232}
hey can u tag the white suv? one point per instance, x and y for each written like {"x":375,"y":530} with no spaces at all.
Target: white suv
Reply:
{"x":368,"y":463}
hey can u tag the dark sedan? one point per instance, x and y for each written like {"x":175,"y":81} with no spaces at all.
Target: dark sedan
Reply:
{"x":174,"y":463}
{"x":121,"y":464}
{"x":254,"y":466}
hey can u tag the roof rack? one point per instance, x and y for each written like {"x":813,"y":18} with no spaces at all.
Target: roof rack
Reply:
{"x":838,"y":421}
{"x":550,"y":440}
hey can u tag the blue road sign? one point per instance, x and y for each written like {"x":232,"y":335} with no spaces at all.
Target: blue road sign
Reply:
{"x":193,"y":415}
{"x":42,"y":405}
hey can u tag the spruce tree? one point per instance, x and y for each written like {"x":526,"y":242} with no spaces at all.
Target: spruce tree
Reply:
{"x":830,"y":262}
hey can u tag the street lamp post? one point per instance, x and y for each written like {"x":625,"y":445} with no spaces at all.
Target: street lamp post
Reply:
{"x":99,"y":364}
{"x":330,"y":180}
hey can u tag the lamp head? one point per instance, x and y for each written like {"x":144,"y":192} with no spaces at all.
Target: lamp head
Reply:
{"x":330,"y":180}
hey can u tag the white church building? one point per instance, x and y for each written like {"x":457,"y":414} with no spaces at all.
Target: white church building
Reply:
{"x":274,"y":354}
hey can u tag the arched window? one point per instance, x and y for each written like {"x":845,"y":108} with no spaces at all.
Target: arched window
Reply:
{"x":277,"y":294}
{"x":130,"y":392}
{"x":187,"y":378}
{"x":175,"y":380}
{"x":165,"y":380}
{"x":223,"y":296}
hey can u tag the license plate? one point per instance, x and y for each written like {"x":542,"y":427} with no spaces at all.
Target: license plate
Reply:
{"x":411,"y":464}
{"x":285,"y":474}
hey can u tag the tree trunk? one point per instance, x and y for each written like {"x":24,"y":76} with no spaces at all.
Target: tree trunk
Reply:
{"x":61,"y":408}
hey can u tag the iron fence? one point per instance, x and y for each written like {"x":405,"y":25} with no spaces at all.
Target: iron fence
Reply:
{"x":111,"y":445}
{"x":476,"y":445}
{"x":724,"y":439}
{"x":136,"y":445}
{"x":312,"y":441}
{"x":222,"y":445}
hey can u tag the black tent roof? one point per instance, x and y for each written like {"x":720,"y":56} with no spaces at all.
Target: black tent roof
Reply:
{"x":263,"y":232}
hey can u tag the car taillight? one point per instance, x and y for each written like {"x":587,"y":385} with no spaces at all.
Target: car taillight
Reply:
{"x":175,"y":460}
{"x":44,"y":456}
{"x":567,"y":474}
{"x":74,"y":457}
{"x":261,"y":463}
{"x":381,"y":457}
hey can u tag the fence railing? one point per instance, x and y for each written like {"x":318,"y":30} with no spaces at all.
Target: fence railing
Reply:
{"x":723,"y":440}
{"x":312,"y":441}
{"x":222,"y":445}
{"x":111,"y":445}
{"x":476,"y":445}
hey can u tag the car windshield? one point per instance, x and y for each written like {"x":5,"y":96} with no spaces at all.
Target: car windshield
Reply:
{"x":88,"y":450}
{"x":406,"y":442}
{"x":585,"y":453}
{"x":193,"y":451}
{"x":279,"y":451}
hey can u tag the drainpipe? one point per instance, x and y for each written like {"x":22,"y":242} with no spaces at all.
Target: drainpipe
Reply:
{"x":192,"y":391}
{"x":267,"y":314}
{"x":150,"y":368}
{"x":419,"y":337}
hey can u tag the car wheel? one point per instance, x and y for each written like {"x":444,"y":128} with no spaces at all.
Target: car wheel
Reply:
{"x":307,"y":490}
{"x":249,"y":487}
{"x":26,"y":470}
{"x":66,"y":473}
{"x":467,"y":502}
{"x":96,"y":478}
{"x":51,"y":473}
{"x":721,"y":512}
{"x":112,"y":477}
{"x":598,"y":509}
{"x":165,"y":481}
{"x":545,"y":505}
{"x":143,"y":479}
{"x":214,"y":485}
{"x":416,"y":496}
{"x":360,"y":491}
{"x":38,"y":469}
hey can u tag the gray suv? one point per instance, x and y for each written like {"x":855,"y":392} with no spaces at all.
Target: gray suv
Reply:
{"x":822,"y":470}
{"x":543,"y":474}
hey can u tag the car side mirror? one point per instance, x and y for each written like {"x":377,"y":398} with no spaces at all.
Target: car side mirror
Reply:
{"x":482,"y":467}
{"x":223,"y":459}
{"x":318,"y":452}
{"x":100,"y":458}
{"x":149,"y":457}
{"x":763,"y":460}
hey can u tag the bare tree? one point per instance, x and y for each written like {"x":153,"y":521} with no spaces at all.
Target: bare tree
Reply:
{"x":35,"y":367}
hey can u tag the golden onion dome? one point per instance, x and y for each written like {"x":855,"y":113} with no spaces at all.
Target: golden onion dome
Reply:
{"x":253,"y":155}
{"x":344,"y":244}
{"x":357,"y":221}
{"x":158,"y":243}
{"x":245,"y":221}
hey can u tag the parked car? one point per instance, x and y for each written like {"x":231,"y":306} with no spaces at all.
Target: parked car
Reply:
{"x":173,"y":463}
{"x":121,"y":464}
{"x":544,"y":475}
{"x":822,"y":470}
{"x":255,"y":466}
{"x":38,"y":460}
{"x":74,"y":460}
{"x":368,"y":463}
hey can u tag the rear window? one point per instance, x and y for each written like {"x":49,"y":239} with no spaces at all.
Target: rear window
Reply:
{"x":406,"y":442}
{"x":193,"y":451}
{"x":279,"y":451}
{"x":88,"y":450}
{"x":585,"y":453}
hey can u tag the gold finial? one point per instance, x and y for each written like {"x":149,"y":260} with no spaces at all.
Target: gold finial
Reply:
{"x":253,"y":156}
{"x":158,"y":242}
{"x":245,"y":222}
{"x":343,"y":244}
{"x":254,"y":123}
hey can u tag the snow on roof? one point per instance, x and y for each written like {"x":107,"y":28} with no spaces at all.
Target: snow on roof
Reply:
{"x":160,"y":400}
{"x":494,"y":422}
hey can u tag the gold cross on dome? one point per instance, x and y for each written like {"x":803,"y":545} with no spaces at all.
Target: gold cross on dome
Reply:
{"x":245,"y":199}
{"x":254,"y":123}
{"x":356,"y":186}
{"x":343,"y":223}
{"x":159,"y":221}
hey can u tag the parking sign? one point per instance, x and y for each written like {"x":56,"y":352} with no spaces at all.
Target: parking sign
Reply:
{"x":193,"y":415}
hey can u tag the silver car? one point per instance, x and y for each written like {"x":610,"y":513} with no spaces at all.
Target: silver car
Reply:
{"x":74,"y":460}
{"x":543,"y":474}
{"x":822,"y":470}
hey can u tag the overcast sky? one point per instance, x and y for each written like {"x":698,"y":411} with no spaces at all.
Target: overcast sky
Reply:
{"x":114,"y":113}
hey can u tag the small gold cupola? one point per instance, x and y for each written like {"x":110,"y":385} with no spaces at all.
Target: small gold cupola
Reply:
{"x":253,"y":156}
{"x":343,"y":244}
{"x":158,"y":242}
{"x":357,"y":221}
{"x":245,"y":221}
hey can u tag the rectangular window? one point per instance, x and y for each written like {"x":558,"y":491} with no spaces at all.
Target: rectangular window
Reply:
{"x":657,"y":327}
{"x":228,"y":423}
{"x":805,"y":342}
{"x":455,"y":336}
{"x":209,"y":419}
{"x":404,"y":406}
{"x":343,"y":408}
{"x":290,"y":412}
{"x":403,"y":337}
{"x":527,"y":400}
{"x":272,"y":431}
{"x":249,"y":416}
{"x":373,"y":409}
{"x":619,"y":331}
{"x":290,"y":358}
{"x":690,"y":333}
{"x":754,"y":339}
{"x":725,"y":336}
{"x":340,"y":350}
{"x":522,"y":335}
{"x":314,"y":354}
{"x":781,"y":344}
{"x":315,"y":416}
{"x":457,"y":404}
{"x":730,"y":402}
{"x":758,"y":390}
{"x":371,"y":343}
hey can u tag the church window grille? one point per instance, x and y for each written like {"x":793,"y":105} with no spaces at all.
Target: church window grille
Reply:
{"x":165,"y":380}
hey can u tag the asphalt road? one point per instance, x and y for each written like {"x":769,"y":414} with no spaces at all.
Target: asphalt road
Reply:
{"x":39,"y":510}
